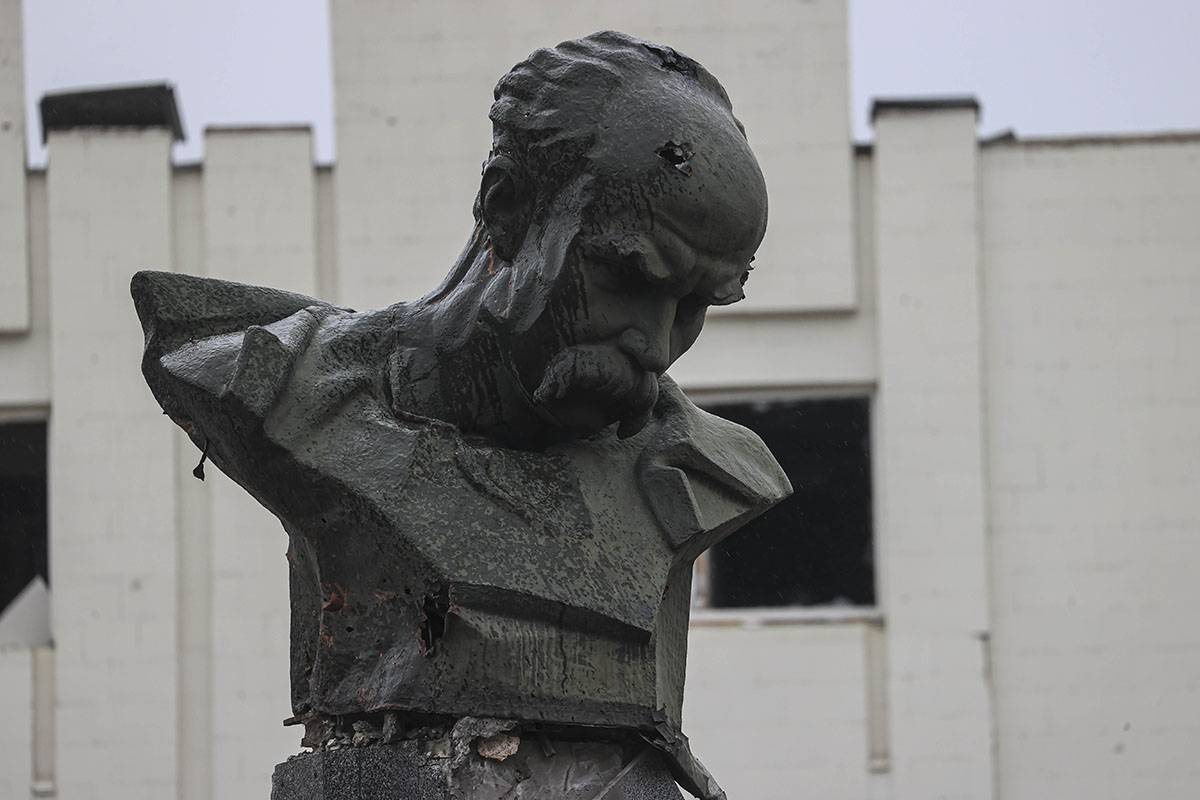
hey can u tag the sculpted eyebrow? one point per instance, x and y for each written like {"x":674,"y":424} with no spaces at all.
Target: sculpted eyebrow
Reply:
{"x":640,"y":253}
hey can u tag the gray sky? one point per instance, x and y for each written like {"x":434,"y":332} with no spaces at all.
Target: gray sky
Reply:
{"x":1039,"y":66}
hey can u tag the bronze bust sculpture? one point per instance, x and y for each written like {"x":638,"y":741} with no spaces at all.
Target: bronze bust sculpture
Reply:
{"x":494,"y":494}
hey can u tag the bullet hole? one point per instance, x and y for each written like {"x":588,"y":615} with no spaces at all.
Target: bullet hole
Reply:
{"x":349,"y":629}
{"x":434,"y":609}
{"x":678,"y":156}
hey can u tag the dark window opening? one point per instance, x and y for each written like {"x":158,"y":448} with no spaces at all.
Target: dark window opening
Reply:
{"x":815,"y":548}
{"x":22,"y":507}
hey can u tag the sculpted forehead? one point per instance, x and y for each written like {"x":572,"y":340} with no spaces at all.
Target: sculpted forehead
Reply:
{"x":669,"y":152}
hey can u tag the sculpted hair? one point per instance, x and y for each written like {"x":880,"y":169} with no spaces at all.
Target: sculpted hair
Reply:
{"x":547,"y":114}
{"x":549,"y":107}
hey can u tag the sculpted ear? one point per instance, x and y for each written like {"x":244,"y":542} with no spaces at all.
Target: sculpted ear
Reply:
{"x":505,"y":203}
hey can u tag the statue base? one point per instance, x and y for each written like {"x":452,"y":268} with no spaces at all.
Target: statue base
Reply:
{"x":512,"y":768}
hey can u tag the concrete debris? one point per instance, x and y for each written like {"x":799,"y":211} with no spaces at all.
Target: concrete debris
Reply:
{"x":498,"y":747}
{"x":438,"y":748}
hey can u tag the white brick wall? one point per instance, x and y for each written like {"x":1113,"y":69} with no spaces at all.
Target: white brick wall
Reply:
{"x":111,"y":459}
{"x":1092,"y":255}
{"x":193,"y":536}
{"x":413,"y":85}
{"x":16,"y":732}
{"x":14,"y":252}
{"x":778,"y":712}
{"x":259,"y":219}
{"x":25,"y":359}
{"x":928,"y":450}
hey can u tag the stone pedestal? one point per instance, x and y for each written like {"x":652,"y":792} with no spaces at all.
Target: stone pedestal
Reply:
{"x":446,"y":769}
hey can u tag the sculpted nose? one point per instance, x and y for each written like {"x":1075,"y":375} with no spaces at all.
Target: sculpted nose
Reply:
{"x":652,"y":354}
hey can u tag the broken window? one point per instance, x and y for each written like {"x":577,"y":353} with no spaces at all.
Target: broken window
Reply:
{"x":22,"y":508}
{"x":815,"y":548}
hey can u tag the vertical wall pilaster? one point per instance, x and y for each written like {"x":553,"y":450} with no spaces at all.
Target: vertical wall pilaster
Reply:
{"x":929,"y":415}
{"x":260,"y":228}
{"x":111,"y":470}
{"x":16,"y":709}
{"x":193,"y":537}
{"x":14,"y":251}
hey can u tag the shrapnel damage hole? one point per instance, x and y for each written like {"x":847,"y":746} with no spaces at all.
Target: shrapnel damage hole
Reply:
{"x":434,"y":608}
{"x":678,"y":156}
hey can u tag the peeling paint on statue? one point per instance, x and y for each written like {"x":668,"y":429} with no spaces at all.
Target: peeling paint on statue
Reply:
{"x":494,"y":494}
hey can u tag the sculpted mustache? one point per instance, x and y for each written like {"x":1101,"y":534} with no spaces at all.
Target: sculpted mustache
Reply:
{"x":603,"y":370}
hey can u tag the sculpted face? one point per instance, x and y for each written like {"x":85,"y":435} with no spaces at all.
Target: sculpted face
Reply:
{"x":675,"y":209}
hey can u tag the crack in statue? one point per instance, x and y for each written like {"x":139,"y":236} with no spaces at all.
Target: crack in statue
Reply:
{"x":494,"y":494}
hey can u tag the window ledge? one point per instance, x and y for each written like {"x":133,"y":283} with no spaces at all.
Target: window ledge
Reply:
{"x":761,"y":617}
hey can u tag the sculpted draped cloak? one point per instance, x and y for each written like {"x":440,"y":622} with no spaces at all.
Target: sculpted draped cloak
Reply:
{"x":433,"y":571}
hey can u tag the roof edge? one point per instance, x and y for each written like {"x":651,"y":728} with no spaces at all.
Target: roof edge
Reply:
{"x":143,"y":105}
{"x":888,"y":105}
{"x":259,"y":127}
{"x":1093,"y":139}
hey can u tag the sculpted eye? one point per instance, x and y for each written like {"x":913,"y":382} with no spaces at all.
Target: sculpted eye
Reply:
{"x":615,"y":269}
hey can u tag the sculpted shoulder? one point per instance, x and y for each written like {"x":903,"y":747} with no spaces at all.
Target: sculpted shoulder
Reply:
{"x":199,"y":326}
{"x":219,"y":357}
{"x":705,"y":476}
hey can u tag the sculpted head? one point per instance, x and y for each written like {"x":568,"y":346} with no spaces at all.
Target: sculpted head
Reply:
{"x":619,"y":201}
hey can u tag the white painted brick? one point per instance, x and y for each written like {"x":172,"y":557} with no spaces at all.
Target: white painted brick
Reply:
{"x":928,"y":437}
{"x":111,"y":482}
{"x":194,"y":537}
{"x":1091,"y":273}
{"x":260,"y":228}
{"x":14,"y":252}
{"x":16,"y":734}
{"x":25,"y":358}
{"x":260,"y":206}
{"x":774,"y":710}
